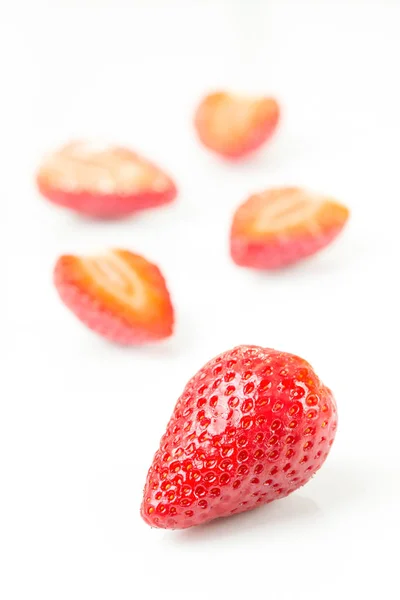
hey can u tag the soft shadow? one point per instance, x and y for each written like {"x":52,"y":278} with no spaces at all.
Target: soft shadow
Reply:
{"x":267,"y":159}
{"x":335,"y":259}
{"x":295,"y":507}
{"x":138,"y":216}
{"x":336,"y":489}
{"x":179,"y":343}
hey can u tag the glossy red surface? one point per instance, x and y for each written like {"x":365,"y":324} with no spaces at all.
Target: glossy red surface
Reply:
{"x":251,"y":426}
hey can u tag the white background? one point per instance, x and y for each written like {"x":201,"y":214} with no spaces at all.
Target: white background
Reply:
{"x":80,"y":419}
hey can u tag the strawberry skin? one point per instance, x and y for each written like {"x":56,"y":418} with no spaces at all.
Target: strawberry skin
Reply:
{"x":252,"y":426}
{"x":235,"y":126}
{"x":281,"y":226}
{"x":119,"y":295}
{"x":103,"y":181}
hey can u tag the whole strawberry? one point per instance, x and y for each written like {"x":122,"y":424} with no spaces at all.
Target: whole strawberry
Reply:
{"x":251,"y":426}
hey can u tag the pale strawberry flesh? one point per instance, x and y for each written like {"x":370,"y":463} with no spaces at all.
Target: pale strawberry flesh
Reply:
{"x":104,"y":182}
{"x":281,"y":226}
{"x":119,"y":295}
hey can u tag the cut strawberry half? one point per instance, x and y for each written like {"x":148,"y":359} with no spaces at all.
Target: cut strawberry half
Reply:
{"x":103,"y":181}
{"x":278,"y":227}
{"x":119,"y":295}
{"x":234,"y":126}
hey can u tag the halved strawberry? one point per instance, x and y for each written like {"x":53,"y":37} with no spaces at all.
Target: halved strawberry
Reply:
{"x":234,"y":126}
{"x":103,"y":181}
{"x":280,"y":226}
{"x":119,"y":295}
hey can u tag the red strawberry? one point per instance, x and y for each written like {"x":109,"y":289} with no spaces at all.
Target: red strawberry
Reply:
{"x":281,"y":226}
{"x":103,"y":181}
{"x":235,"y":126}
{"x":251,"y":426}
{"x":120,"y":295}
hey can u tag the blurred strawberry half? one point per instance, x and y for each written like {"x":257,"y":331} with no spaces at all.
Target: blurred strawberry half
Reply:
{"x":103,"y":181}
{"x":279,"y":227}
{"x":119,"y":295}
{"x":234,"y":126}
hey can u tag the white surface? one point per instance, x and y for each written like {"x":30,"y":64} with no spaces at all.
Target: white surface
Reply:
{"x":81,"y":419}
